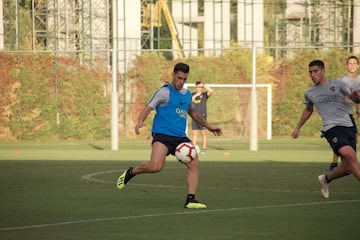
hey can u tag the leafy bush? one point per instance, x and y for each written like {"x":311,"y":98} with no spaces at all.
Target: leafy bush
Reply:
{"x":43,"y":104}
{"x":47,"y":97}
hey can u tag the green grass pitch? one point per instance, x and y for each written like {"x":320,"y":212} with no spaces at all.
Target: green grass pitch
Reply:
{"x":67,"y":191}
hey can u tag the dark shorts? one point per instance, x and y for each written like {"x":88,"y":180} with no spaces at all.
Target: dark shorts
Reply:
{"x":352,"y":120}
{"x":169,"y":141}
{"x":340,"y":136}
{"x":197,"y":126}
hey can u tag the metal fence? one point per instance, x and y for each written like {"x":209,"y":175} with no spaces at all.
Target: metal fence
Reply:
{"x":54,"y":96}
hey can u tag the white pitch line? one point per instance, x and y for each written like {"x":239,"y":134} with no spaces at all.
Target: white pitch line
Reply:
{"x":92,"y":177}
{"x":174,"y":214}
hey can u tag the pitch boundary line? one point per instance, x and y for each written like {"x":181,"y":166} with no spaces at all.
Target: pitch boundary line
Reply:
{"x":174,"y":214}
{"x":92,"y":178}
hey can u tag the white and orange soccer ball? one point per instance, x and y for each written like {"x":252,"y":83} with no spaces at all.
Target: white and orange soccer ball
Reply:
{"x":185,"y":152}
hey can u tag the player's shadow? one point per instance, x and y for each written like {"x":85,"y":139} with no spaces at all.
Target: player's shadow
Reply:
{"x":216,"y":148}
{"x":96,"y":147}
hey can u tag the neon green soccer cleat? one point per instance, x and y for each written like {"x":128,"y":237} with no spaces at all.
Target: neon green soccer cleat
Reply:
{"x":193,"y":204}
{"x":124,"y":178}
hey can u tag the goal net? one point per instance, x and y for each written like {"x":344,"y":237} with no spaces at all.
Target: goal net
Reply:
{"x":229,"y":107}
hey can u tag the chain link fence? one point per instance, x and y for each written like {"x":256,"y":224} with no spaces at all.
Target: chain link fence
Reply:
{"x":54,"y":96}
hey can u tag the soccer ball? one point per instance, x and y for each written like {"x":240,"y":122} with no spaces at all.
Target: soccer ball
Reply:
{"x":185,"y":152}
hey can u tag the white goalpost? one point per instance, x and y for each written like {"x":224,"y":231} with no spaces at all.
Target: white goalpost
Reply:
{"x":253,"y":101}
{"x":253,"y":137}
{"x":114,"y":105}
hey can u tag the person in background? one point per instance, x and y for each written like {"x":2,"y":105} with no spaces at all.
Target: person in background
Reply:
{"x":352,"y":79}
{"x":199,"y":98}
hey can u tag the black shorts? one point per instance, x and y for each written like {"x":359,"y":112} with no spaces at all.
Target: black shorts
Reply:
{"x":352,"y":120}
{"x":341,"y":136}
{"x":169,"y":141}
{"x":197,"y":126}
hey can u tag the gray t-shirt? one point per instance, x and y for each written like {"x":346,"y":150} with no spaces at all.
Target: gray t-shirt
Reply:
{"x":354,"y":84}
{"x":329,"y":101}
{"x":161,"y":97}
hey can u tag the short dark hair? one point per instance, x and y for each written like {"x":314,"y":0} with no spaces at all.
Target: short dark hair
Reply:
{"x":181,"y":67}
{"x":352,"y":57}
{"x":198,"y":83}
{"x":317,"y":63}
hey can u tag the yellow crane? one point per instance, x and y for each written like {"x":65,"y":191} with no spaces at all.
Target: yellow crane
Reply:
{"x":151,"y":15}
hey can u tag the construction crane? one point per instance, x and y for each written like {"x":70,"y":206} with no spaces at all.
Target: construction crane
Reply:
{"x":151,"y":16}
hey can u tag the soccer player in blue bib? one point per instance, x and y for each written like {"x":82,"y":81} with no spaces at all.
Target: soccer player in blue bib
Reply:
{"x":329,"y":99}
{"x":172,"y":103}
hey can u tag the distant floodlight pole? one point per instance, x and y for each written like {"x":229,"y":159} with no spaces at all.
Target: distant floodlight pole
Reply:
{"x":253,"y":106}
{"x":114,"y":105}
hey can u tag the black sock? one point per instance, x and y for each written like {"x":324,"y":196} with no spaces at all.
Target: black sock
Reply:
{"x":190,"y":197}
{"x":130,"y":172}
{"x":129,"y":175}
{"x":326,"y":179}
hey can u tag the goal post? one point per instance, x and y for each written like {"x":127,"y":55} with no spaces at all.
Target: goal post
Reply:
{"x":114,"y":105}
{"x":268,"y":88}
